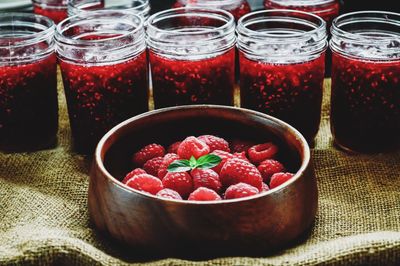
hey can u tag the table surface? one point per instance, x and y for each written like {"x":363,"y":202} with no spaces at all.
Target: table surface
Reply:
{"x":44,"y":216}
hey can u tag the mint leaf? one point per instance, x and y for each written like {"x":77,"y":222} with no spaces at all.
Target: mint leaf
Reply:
{"x":208,"y":161}
{"x":179,"y":166}
{"x":192,"y":162}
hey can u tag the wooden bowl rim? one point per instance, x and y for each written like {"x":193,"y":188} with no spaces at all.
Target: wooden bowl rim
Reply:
{"x":304,"y":145}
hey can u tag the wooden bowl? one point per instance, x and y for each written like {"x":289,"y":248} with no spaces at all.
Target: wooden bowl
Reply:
{"x":255,"y":224}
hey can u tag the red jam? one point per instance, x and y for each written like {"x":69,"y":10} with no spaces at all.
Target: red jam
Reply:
{"x":28,"y":105}
{"x":183,"y":82}
{"x":365,"y":104}
{"x":327,"y":11}
{"x":57,"y":15}
{"x":100,"y":97}
{"x":291,"y":92}
{"x":238,"y":12}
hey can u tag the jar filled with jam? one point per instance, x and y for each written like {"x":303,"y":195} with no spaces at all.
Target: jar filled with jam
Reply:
{"x":81,"y":7}
{"x":365,"y":100}
{"x":281,"y":55}
{"x":54,"y":9}
{"x":104,"y":68}
{"x":238,"y":8}
{"x":192,"y":56}
{"x":28,"y":82}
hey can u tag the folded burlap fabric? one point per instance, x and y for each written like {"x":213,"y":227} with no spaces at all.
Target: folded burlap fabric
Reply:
{"x":44,"y":217}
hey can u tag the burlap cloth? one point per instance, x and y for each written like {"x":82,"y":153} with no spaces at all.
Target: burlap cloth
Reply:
{"x":44,"y":215}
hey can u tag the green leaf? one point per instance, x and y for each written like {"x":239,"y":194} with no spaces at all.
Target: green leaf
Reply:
{"x":208,"y":161}
{"x":192,"y":162}
{"x":179,"y":166}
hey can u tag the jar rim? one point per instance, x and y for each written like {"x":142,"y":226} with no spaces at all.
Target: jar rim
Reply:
{"x":386,"y":44}
{"x":302,"y":3}
{"x":243,"y":29}
{"x":163,"y":14}
{"x":61,"y":38}
{"x":30,"y":38}
{"x":335,"y":29}
{"x":74,"y":9}
{"x":209,"y":3}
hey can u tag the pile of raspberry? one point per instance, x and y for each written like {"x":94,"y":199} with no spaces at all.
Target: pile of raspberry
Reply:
{"x":206,"y":168}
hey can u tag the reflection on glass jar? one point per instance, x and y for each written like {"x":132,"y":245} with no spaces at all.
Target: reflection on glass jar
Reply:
{"x":54,"y":9}
{"x":282,"y":66}
{"x":28,"y":82}
{"x":104,"y":69}
{"x":192,"y":56}
{"x":365,"y":103}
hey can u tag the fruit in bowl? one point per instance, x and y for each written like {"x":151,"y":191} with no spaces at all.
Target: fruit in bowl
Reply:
{"x":155,"y":183}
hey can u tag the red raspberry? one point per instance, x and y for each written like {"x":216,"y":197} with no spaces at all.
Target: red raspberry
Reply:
{"x":279,"y":178}
{"x":152,"y":166}
{"x":168,"y":194}
{"x":205,"y":178}
{"x":173,"y":148}
{"x":264,"y":187}
{"x":204,"y":194}
{"x":168,"y":159}
{"x":191,"y":146}
{"x":240,"y":145}
{"x":132,"y":173}
{"x":261,"y":152}
{"x":146,"y":183}
{"x":241,"y":155}
{"x":269,"y":167}
{"x":180,"y":182}
{"x":239,"y":171}
{"x":148,"y":152}
{"x":224,"y":157}
{"x":240,"y":190}
{"x":215,"y":143}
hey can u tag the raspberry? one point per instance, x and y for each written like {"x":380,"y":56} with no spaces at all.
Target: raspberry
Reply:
{"x":148,"y":152}
{"x":241,"y":155}
{"x":261,"y":152}
{"x":240,"y":190}
{"x":205,"y":178}
{"x":240,"y":145}
{"x":224,"y":157}
{"x":180,"y":182}
{"x":204,"y":194}
{"x":279,"y":178}
{"x":191,"y":146}
{"x":152,"y":166}
{"x":239,"y":171}
{"x":168,"y":159}
{"x":168,"y":194}
{"x":173,"y":148}
{"x":132,"y":173}
{"x":269,"y":167}
{"x":215,"y":143}
{"x":146,"y":183}
{"x":264,"y":187}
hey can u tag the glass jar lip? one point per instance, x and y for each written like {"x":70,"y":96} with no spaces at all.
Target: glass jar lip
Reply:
{"x":210,"y":3}
{"x":50,"y":5}
{"x":243,"y":29}
{"x":48,"y":27}
{"x":302,"y":3}
{"x":164,"y":14}
{"x":145,"y":5}
{"x":362,"y":38}
{"x":59,"y":37}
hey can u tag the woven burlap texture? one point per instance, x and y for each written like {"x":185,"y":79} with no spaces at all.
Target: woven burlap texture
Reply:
{"x":44,"y":216}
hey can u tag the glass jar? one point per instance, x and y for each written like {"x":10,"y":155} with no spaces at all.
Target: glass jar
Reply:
{"x":238,"y":8}
{"x":326,"y":9}
{"x":281,"y":55}
{"x":28,"y":82}
{"x":54,"y":9}
{"x":103,"y":62}
{"x":192,"y":56}
{"x":141,"y":7}
{"x":365,"y":99}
